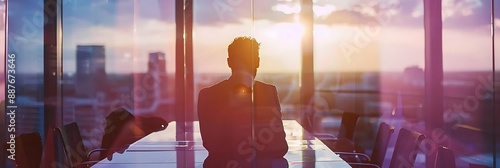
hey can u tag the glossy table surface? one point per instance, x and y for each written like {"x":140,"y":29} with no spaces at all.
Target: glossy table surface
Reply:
{"x":160,"y":149}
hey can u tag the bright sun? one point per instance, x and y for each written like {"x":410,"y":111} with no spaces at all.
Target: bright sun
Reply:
{"x":293,"y":31}
{"x":288,"y":31}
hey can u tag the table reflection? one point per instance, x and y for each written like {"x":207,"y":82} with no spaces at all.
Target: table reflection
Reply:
{"x":160,"y":149}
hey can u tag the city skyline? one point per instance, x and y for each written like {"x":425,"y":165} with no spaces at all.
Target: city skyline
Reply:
{"x":369,"y":59}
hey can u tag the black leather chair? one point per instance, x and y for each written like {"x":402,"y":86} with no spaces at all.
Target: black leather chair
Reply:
{"x":123,"y":129}
{"x":343,"y":142}
{"x":73,"y":147}
{"x":445,"y":158}
{"x":405,"y":150}
{"x":29,"y":150}
{"x":382,"y":139}
{"x":348,"y":125}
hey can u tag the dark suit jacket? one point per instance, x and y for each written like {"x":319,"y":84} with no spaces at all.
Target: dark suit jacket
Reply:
{"x":226,"y":112}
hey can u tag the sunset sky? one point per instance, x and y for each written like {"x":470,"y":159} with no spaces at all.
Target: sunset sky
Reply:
{"x":356,"y":35}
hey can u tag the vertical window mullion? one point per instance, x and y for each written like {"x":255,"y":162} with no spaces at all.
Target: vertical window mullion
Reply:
{"x":433,"y":96}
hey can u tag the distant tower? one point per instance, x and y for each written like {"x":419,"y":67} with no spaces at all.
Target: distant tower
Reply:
{"x":157,"y":77}
{"x":157,"y":68}
{"x":90,"y":70}
{"x":157,"y":62}
{"x":414,"y":75}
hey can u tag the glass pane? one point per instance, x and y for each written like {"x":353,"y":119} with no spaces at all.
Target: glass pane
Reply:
{"x":279,"y":30}
{"x":215,"y":25}
{"x":119,"y":77}
{"x":118,"y":54}
{"x":24,"y":68}
{"x":214,"y":29}
{"x":467,"y":95}
{"x":369,"y":60}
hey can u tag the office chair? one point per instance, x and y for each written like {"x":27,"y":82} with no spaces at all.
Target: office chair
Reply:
{"x":405,"y":150}
{"x":344,"y":140}
{"x":123,"y":128}
{"x":348,"y":125}
{"x":382,"y":139}
{"x":28,"y":150}
{"x":74,"y":149}
{"x":445,"y":158}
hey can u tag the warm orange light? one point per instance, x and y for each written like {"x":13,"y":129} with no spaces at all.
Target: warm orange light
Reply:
{"x":292,"y":32}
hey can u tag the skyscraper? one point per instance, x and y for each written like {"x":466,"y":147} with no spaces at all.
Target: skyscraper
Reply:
{"x":156,"y":62}
{"x":150,"y":87}
{"x":157,"y":69}
{"x":90,"y":70}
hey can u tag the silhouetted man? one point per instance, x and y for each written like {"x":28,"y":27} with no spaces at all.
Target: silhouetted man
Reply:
{"x":234,"y":108}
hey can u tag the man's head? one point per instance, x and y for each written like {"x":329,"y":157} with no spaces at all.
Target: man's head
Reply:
{"x":243,"y":55}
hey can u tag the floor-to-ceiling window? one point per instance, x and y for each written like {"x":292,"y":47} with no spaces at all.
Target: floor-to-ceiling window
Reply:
{"x":116,"y":54}
{"x":23,"y":68}
{"x":215,"y":25}
{"x":369,"y":58}
{"x":467,"y":64}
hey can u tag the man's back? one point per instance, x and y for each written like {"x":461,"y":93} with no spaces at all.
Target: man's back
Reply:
{"x":226,"y":112}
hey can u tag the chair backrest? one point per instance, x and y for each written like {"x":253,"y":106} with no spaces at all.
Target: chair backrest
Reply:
{"x":73,"y":145}
{"x":406,"y":148}
{"x":348,"y":125}
{"x":445,"y":158}
{"x":118,"y":132}
{"x":28,"y":150}
{"x":151,"y":124}
{"x":384,"y":134}
{"x":116,"y":122}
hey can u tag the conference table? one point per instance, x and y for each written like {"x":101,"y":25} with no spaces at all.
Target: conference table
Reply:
{"x":161,"y":149}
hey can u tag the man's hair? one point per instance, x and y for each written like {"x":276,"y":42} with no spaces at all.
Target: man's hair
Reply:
{"x":243,"y":46}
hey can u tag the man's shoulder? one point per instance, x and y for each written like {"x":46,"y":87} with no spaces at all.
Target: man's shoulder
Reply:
{"x":222,"y":85}
{"x":214,"y":88}
{"x":264,"y":85}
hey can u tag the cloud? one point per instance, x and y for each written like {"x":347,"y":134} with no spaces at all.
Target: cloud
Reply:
{"x":345,"y":17}
{"x":461,"y":14}
{"x":218,"y":12}
{"x":460,"y":7}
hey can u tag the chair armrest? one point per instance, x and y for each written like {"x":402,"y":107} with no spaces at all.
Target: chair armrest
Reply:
{"x":108,"y":149}
{"x":95,"y":150}
{"x":364,"y":165}
{"x":86,"y":164}
{"x":353,"y":153}
{"x":325,"y":136}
